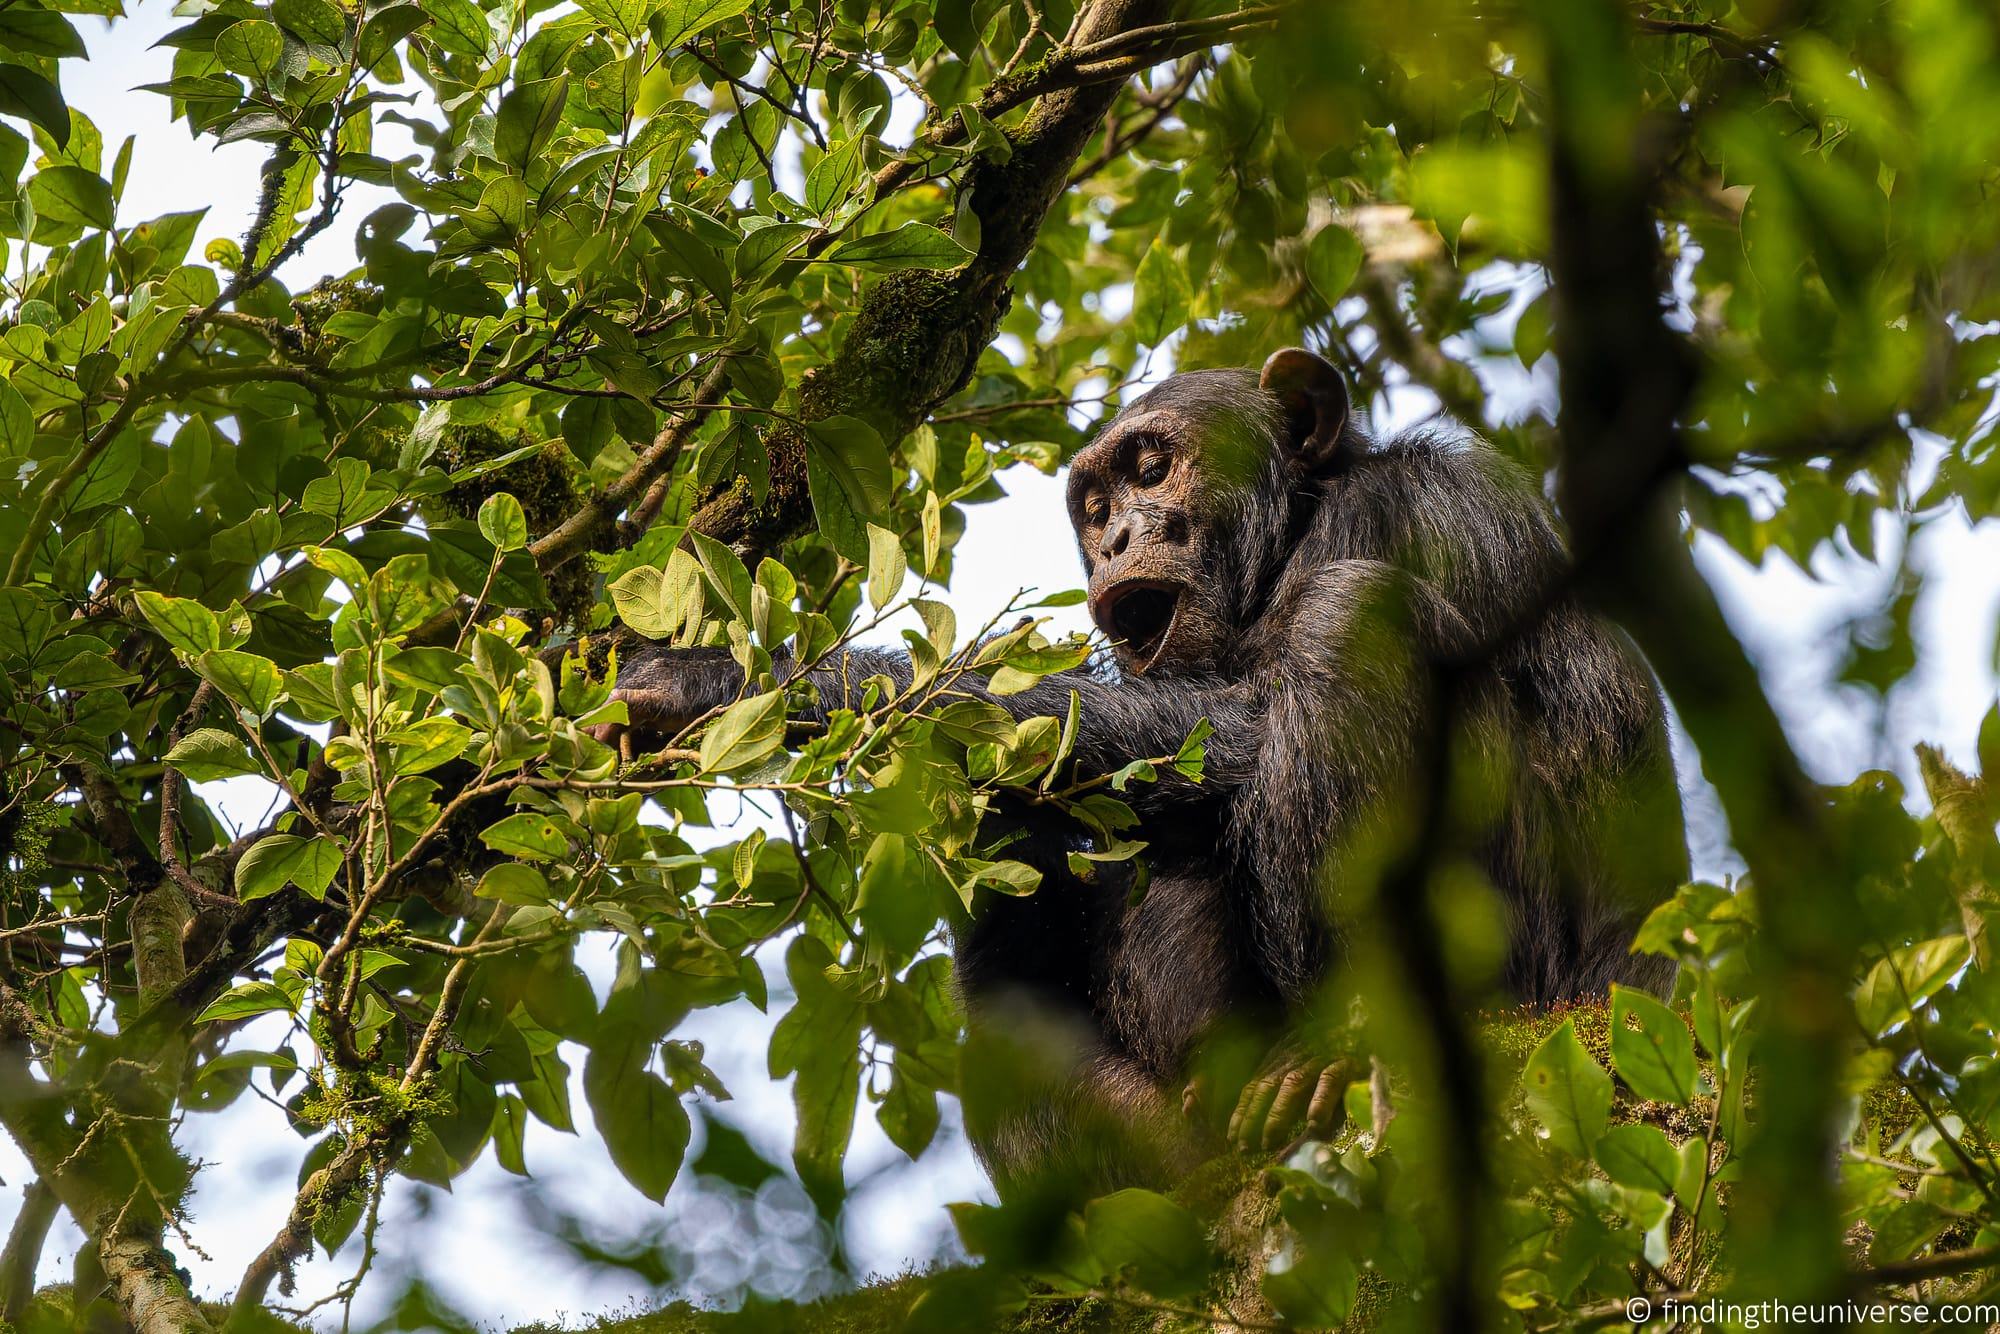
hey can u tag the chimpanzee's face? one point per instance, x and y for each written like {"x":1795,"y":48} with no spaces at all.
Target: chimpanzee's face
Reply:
{"x":1182,"y":505}
{"x":1153,"y":500}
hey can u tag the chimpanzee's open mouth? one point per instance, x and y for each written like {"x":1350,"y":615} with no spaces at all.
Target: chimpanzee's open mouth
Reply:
{"x":1138,"y":612}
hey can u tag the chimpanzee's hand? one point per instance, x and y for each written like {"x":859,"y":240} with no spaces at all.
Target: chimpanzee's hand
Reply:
{"x":664,"y":690}
{"x":1296,"y":1095}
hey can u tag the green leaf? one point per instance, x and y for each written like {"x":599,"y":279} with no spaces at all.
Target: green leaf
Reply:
{"x":1503,"y":186}
{"x":38,"y":32}
{"x":1651,"y":1049}
{"x":513,"y":882}
{"x":747,"y":732}
{"x":914,"y":245}
{"x":246,"y":1060}
{"x":725,"y":572}
{"x":510,"y":1125}
{"x":246,"y":999}
{"x":403,"y":594}
{"x":17,"y":423}
{"x":384,"y":30}
{"x":249,"y":679}
{"x":461,"y":27}
{"x":183,"y":623}
{"x":1906,"y":978}
{"x":1531,"y":330}
{"x":208,"y":753}
{"x":311,"y":21}
{"x":771,"y":613}
{"x":1161,"y":295}
{"x":817,"y":1040}
{"x":1333,"y":259}
{"x":432,"y":669}
{"x":34,"y":99}
{"x":644,"y":1126}
{"x":1146,"y":1235}
{"x":1639,"y":1156}
{"x":833,"y":511}
{"x":889,"y":900}
{"x":527,"y":120}
{"x":958,"y":27}
{"x":764,"y":250}
{"x":503,"y":523}
{"x":341,"y":565}
{"x":352,"y":494}
{"x":832,"y":177}
{"x":1567,"y":1091}
{"x":425,"y":745}
{"x":688,"y":255}
{"x":681,"y":21}
{"x":67,"y":194}
{"x":857,"y":459}
{"x":282,"y":859}
{"x":625,"y":17}
{"x":660,"y":603}
{"x":253,"y":48}
{"x":529,"y":835}
{"x":909,"y":1111}
{"x":1016,"y":878}
{"x":886,"y":566}
{"x":983,"y":137}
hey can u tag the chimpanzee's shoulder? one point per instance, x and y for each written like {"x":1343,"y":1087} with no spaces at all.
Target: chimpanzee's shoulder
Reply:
{"x":1443,"y":458}
{"x":1444,"y":484}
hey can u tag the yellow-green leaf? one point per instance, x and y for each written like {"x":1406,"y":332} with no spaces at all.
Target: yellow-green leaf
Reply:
{"x":747,"y":732}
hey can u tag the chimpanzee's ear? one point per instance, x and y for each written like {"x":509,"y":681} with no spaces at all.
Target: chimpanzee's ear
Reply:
{"x":1315,"y":400}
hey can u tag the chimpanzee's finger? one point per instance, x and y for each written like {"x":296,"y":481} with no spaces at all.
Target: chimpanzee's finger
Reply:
{"x":1294,"y":1091}
{"x":1246,"y":1124}
{"x":1328,"y":1108}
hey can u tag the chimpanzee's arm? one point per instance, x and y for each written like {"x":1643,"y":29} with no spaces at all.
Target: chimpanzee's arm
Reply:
{"x":1342,"y":746}
{"x":1119,"y":721}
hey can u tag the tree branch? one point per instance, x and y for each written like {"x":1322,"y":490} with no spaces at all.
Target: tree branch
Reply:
{"x":597,"y":514}
{"x":1625,"y":379}
{"x":326,"y":1188}
{"x":149,"y":1292}
{"x":1456,"y":384}
{"x":1114,"y":57}
{"x":1121,"y":139}
{"x":24,"y":1249}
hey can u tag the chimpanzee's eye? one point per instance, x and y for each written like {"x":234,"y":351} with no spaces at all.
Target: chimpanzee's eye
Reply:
{"x":1153,"y":469}
{"x":1095,"y":510}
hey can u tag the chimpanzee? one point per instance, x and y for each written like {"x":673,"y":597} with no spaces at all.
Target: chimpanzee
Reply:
{"x":1258,"y":562}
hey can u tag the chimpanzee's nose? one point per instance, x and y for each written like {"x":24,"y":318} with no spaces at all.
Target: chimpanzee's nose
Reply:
{"x":1118,"y":535}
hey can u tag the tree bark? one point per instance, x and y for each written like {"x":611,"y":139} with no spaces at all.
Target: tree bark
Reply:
{"x":148,"y":1291}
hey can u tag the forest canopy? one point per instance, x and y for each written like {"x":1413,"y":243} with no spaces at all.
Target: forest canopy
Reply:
{"x":710,"y":322}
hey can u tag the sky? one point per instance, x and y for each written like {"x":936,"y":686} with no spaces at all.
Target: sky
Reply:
{"x":489,"y":1245}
